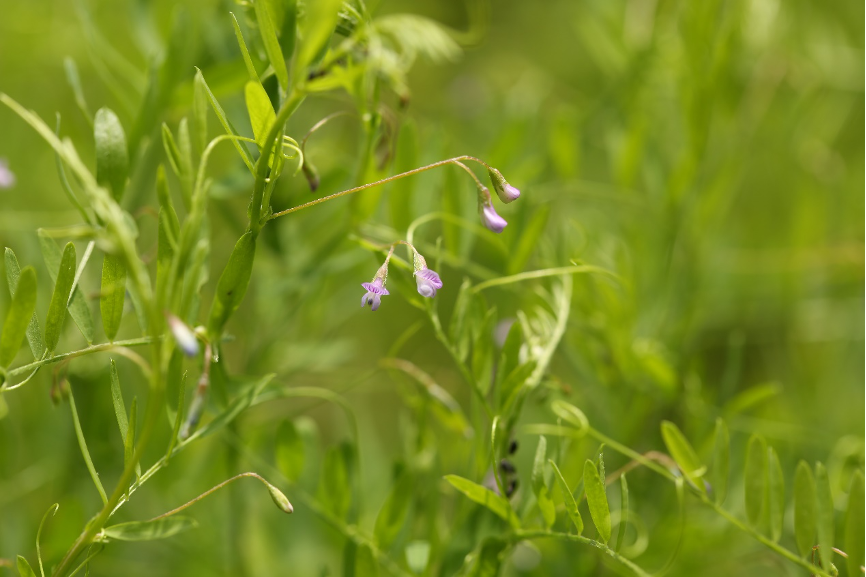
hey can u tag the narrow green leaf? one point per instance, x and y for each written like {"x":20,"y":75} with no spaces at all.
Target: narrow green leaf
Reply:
{"x":74,"y":81}
{"x":683,"y":453}
{"x":34,"y":333}
{"x":289,"y":32}
{"x":334,"y":490}
{"x":539,"y":486}
{"x":112,"y":294}
{"x":129,"y":439}
{"x":290,"y":450}
{"x":82,"y":444}
{"x":826,"y":515}
{"x":272,"y":44}
{"x":776,"y":494}
{"x":112,"y":158}
{"x":232,"y":284}
{"x":117,"y":401}
{"x":226,"y":123}
{"x":596,"y":499}
{"x":260,"y":110}
{"x":365,"y":562}
{"x":855,"y":525}
{"x":62,"y":289}
{"x":805,"y":509}
{"x":78,"y":308}
{"x":199,"y":112}
{"x":316,"y":30}
{"x":184,"y":148}
{"x":24,"y":569}
{"x":755,"y":473}
{"x":623,"y":513}
{"x":172,"y":152}
{"x":392,"y":515}
{"x":721,"y":461}
{"x":248,"y":62}
{"x":498,"y":505}
{"x":150,"y":530}
{"x":19,"y":317}
{"x":570,"y":502}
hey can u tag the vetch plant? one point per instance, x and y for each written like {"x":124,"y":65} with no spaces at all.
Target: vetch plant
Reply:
{"x":459,"y":499}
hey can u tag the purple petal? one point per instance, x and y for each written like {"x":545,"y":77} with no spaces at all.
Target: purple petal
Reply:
{"x":492,"y":220}
{"x":430,"y":276}
{"x":375,"y":287}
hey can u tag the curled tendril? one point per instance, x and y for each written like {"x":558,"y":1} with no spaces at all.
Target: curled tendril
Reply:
{"x":571,"y":415}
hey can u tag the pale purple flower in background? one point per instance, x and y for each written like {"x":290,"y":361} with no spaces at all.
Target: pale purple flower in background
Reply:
{"x":7,"y":177}
{"x":184,"y":336}
{"x":428,"y":282}
{"x":491,"y":219}
{"x":504,"y":191}
{"x":375,"y":291}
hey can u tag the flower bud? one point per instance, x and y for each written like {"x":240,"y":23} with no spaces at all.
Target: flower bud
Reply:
{"x":428,"y":280}
{"x":375,"y":288}
{"x":311,"y":174}
{"x":184,"y":336}
{"x":504,"y":191}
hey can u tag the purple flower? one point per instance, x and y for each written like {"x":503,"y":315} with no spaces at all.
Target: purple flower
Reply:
{"x":375,"y":291}
{"x":428,"y":282}
{"x":504,"y":191}
{"x":184,"y":336}
{"x":490,"y":219}
{"x":7,"y":177}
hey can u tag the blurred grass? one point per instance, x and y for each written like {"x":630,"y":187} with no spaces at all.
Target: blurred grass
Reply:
{"x":711,"y":153}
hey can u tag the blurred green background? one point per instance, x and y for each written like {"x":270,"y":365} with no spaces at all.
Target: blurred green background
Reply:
{"x":710,"y":153}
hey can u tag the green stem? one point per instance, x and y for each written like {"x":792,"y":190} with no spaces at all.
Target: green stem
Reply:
{"x":79,"y":353}
{"x":370,"y":185}
{"x":526,"y":535}
{"x":533,"y":274}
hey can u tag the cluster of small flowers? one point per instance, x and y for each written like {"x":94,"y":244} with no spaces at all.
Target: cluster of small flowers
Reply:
{"x":428,"y":281}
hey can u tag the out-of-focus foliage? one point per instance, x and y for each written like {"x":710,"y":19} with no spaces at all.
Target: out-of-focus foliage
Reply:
{"x":708,"y":155}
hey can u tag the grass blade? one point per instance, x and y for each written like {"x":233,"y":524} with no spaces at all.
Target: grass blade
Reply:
{"x":83,"y":445}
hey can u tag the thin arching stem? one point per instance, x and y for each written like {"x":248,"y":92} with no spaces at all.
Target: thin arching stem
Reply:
{"x":414,"y":171}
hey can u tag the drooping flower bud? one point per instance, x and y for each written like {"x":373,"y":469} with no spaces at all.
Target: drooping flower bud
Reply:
{"x":184,"y":336}
{"x":375,"y":288}
{"x":428,"y":281}
{"x":504,"y":191}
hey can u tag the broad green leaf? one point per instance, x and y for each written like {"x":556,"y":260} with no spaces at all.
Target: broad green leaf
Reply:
{"x":199,"y":112}
{"x":62,"y":289}
{"x":776,"y":494}
{"x":112,"y":158}
{"x":721,"y":461}
{"x":393,"y":513}
{"x":805,"y":509}
{"x":316,"y":30}
{"x":539,"y":486}
{"x":571,"y":415}
{"x":570,"y":502}
{"x":855,"y":525}
{"x":684,"y":455}
{"x":623,"y":512}
{"x":232,"y":284}
{"x":19,"y":317}
{"x":78,"y":308}
{"x":755,"y":476}
{"x":365,"y":562}
{"x":290,"y":451}
{"x":260,"y":110}
{"x":34,"y":333}
{"x":334,"y":490}
{"x":150,"y":530}
{"x":272,"y":44}
{"x":826,"y":515}
{"x":498,"y":505}
{"x":24,"y":569}
{"x":596,"y":499}
{"x":113,"y":293}
{"x":226,"y":123}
